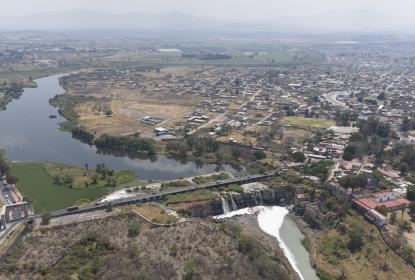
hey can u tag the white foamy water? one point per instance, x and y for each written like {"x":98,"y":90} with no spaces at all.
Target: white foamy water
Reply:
{"x":270,"y":221}
{"x":240,"y":212}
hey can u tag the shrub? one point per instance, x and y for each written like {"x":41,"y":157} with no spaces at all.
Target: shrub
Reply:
{"x":46,"y":218}
{"x":134,"y":230}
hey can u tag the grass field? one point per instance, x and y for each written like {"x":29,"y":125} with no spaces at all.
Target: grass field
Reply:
{"x":36,"y":184}
{"x":154,"y":213}
{"x":79,"y":177}
{"x":411,"y":132}
{"x":194,"y":196}
{"x":309,"y":122}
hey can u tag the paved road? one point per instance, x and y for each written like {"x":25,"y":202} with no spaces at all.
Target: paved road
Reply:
{"x":332,"y":98}
{"x":141,"y":198}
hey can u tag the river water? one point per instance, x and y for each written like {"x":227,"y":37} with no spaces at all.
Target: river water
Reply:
{"x":27,"y":133}
{"x":274,"y":221}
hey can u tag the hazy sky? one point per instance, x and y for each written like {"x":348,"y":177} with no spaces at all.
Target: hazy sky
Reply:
{"x":224,"y":9}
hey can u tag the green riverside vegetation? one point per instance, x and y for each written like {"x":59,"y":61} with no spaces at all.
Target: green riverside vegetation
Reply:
{"x":46,"y":194}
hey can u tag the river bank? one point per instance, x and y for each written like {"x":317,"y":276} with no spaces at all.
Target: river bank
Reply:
{"x":29,"y":134}
{"x":276,"y":222}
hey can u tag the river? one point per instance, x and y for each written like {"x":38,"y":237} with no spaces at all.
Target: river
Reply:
{"x":27,"y":133}
{"x":275,"y":221}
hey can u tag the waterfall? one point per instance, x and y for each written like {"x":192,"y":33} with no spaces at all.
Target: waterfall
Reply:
{"x":234,"y":206}
{"x":255,"y":200}
{"x":261,"y":201}
{"x":225,"y":206}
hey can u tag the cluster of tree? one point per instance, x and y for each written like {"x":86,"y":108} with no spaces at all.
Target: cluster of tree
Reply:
{"x":178,"y":148}
{"x":410,"y":193}
{"x":103,"y":171}
{"x":319,"y":169}
{"x":353,"y":181}
{"x":411,"y":210}
{"x":5,"y":169}
{"x":298,"y":156}
{"x":215,"y":56}
{"x":63,"y":181}
{"x":355,"y":234}
{"x":370,"y":102}
{"x":259,"y":154}
{"x":131,"y":144}
{"x":82,"y":134}
{"x":11,"y":91}
{"x":408,"y":124}
{"x":345,"y":118}
{"x":373,"y":126}
{"x":372,"y":139}
{"x":202,"y":145}
{"x":402,"y":156}
{"x":289,"y":111}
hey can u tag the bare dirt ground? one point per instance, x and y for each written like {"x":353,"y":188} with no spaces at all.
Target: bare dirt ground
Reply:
{"x":129,"y":110}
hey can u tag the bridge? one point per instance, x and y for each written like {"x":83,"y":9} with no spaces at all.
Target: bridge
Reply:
{"x":143,"y":198}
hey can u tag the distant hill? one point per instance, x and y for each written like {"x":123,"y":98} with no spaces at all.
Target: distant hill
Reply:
{"x":358,"y":20}
{"x":94,"y":20}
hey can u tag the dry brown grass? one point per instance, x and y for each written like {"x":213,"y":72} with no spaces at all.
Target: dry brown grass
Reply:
{"x":366,"y":263}
{"x":296,"y":134}
{"x":159,"y":252}
{"x":129,"y":107}
{"x":154,"y":213}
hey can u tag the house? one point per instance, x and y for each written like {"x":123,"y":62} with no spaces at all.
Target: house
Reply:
{"x":391,"y":200}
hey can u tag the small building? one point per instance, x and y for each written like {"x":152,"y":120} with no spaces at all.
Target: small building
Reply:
{"x":367,"y":205}
{"x":160,"y":131}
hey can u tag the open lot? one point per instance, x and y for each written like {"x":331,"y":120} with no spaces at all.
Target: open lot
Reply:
{"x":309,"y":122}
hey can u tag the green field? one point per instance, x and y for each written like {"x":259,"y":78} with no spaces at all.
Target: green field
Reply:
{"x":242,"y":53}
{"x":309,"y":122}
{"x":193,"y":196}
{"x":36,"y":185}
{"x":411,"y":132}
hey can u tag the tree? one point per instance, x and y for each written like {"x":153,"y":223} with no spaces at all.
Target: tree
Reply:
{"x":349,"y":152}
{"x":236,"y":153}
{"x":392,"y":218}
{"x":403,"y":167}
{"x":298,"y":156}
{"x":45,"y":218}
{"x":356,"y":239}
{"x":260,"y":155}
{"x":11,"y":179}
{"x":112,"y":183}
{"x":405,"y":226}
{"x":410,"y":193}
{"x":353,"y":182}
{"x":134,"y":229}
